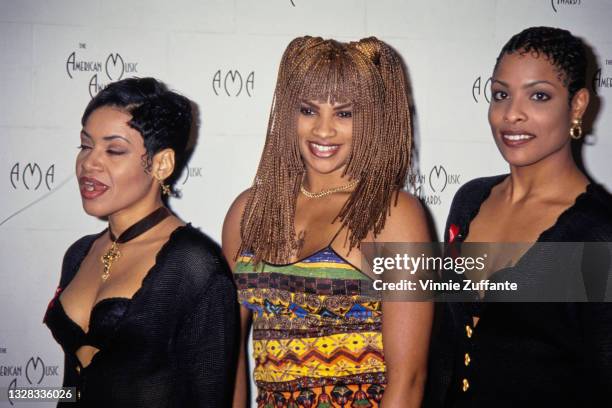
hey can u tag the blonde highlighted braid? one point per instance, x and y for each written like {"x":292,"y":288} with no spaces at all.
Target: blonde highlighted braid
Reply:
{"x":367,"y":73}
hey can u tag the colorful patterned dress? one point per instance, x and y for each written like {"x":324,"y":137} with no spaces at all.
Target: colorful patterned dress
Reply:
{"x":317,"y":338}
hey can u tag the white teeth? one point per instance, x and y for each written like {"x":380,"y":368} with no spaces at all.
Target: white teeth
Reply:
{"x":324,"y":148}
{"x":518,"y":137}
{"x":91,"y":186}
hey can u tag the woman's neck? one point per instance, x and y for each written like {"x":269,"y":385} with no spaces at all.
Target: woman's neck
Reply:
{"x":123,"y":219}
{"x":319,"y":182}
{"x":556,"y":175}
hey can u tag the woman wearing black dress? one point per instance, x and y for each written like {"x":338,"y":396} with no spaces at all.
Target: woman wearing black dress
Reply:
{"x":146,"y":309}
{"x":530,"y":354}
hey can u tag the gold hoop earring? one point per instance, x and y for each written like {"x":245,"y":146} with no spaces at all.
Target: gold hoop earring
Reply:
{"x":576,"y":129}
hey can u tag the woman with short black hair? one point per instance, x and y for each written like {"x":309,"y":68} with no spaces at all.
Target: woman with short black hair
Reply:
{"x":530,"y":354}
{"x":146,"y":309}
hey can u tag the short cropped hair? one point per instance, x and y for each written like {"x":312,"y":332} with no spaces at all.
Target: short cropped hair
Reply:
{"x":162,"y":117}
{"x":564,"y":51}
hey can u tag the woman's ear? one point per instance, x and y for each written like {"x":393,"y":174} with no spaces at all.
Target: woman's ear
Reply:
{"x":580,"y":102}
{"x":163,"y":164}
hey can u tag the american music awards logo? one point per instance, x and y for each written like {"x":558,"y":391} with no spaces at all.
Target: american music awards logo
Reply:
{"x":34,"y":372}
{"x":602,"y":78}
{"x":32,"y":182}
{"x":233,"y":83}
{"x":481,"y":89}
{"x":99,"y":72}
{"x":192,"y":172}
{"x":430,"y":185}
{"x":558,"y":4}
{"x":32,"y":176}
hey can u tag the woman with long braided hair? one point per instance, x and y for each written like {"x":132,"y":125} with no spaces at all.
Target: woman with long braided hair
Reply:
{"x":336,"y":156}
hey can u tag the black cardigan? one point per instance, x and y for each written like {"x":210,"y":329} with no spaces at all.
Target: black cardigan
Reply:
{"x":175,"y":346}
{"x":525,"y":354}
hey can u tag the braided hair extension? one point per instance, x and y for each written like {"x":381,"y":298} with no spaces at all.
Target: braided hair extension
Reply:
{"x":367,"y":73}
{"x":564,"y":51}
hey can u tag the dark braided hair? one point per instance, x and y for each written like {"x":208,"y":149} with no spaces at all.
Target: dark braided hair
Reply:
{"x":564,"y":51}
{"x":162,"y":117}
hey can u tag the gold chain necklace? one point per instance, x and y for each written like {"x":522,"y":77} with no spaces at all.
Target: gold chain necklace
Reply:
{"x":329,"y":191}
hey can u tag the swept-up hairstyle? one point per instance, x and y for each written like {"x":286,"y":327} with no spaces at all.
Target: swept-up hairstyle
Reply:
{"x":367,"y":73}
{"x":162,"y":117}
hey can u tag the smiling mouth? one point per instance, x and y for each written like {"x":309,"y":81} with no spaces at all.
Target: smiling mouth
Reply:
{"x":323,"y":151}
{"x":516,"y":139}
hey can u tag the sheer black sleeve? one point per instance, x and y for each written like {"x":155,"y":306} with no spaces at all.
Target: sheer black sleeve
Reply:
{"x":206,"y":344}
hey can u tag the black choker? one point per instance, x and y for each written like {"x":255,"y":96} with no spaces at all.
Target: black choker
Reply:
{"x":135,"y":230}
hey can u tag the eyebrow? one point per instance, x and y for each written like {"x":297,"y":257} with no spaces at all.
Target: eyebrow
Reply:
{"x":312,"y":105}
{"x":105,"y":138}
{"x":337,"y":107}
{"x":344,"y":106}
{"x":527,"y":85}
{"x":534,"y":83}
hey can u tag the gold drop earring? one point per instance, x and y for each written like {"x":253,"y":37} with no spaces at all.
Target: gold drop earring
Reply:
{"x":165,"y":188}
{"x":576,"y":129}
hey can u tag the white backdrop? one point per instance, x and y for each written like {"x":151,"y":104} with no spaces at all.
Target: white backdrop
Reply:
{"x":224,"y":55}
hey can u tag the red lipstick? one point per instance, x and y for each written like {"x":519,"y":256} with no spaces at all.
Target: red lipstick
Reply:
{"x":91,"y":188}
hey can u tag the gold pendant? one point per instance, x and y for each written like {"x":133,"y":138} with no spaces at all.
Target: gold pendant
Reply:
{"x":108,"y":258}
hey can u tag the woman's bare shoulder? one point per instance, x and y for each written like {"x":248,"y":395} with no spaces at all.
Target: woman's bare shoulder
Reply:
{"x":406,"y":221}
{"x":230,"y":237}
